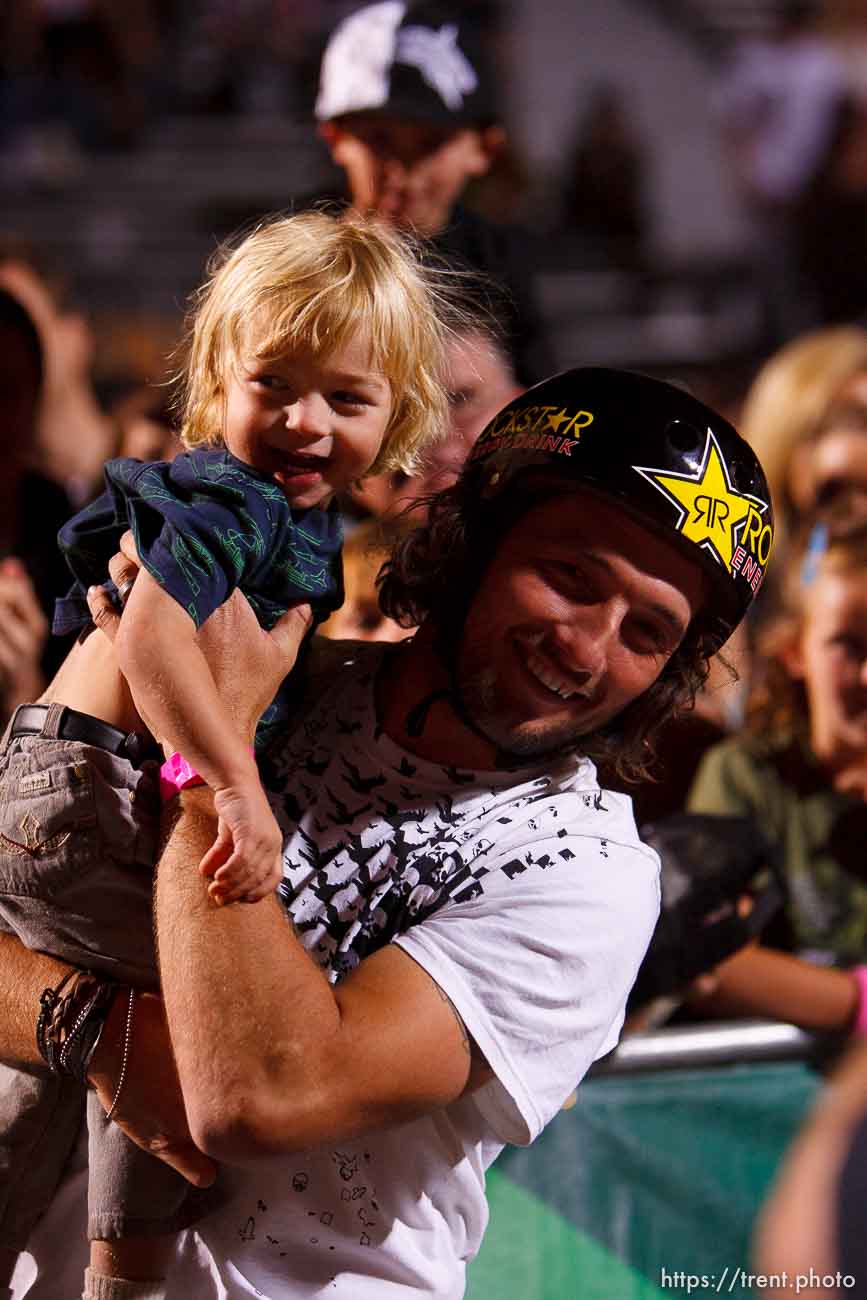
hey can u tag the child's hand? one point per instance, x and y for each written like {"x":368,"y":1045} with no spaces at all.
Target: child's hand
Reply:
{"x":245,"y":861}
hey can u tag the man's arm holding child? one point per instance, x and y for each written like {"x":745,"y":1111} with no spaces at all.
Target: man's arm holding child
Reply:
{"x":270,"y":1056}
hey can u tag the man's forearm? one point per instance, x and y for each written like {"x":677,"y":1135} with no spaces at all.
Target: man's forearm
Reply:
{"x":250,"y":1015}
{"x":23,"y":976}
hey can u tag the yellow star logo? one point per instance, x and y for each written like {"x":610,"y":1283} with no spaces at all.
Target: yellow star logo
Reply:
{"x":710,"y":511}
{"x":554,"y":421}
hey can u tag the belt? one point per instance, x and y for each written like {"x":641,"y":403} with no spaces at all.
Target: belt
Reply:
{"x":29,"y":720}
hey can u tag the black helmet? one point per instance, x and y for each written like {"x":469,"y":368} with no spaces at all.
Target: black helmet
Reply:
{"x":672,"y":462}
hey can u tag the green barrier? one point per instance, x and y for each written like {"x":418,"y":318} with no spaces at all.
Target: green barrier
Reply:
{"x":648,"y":1187}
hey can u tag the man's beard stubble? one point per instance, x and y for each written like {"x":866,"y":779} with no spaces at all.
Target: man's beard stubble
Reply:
{"x":478,"y":693}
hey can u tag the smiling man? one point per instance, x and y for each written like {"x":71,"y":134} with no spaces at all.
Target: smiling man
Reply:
{"x":469,"y":907}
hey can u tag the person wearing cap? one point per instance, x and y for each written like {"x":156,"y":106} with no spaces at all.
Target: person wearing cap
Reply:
{"x":469,"y":908}
{"x":408,"y":107}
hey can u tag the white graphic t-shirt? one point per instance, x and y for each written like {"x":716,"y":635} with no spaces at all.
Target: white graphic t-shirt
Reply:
{"x":528,"y":898}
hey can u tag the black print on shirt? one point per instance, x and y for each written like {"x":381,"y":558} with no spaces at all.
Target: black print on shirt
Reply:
{"x":355,"y":1215}
{"x":375,"y":849}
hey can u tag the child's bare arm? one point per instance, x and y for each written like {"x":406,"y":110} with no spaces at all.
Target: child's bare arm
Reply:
{"x":159,"y":655}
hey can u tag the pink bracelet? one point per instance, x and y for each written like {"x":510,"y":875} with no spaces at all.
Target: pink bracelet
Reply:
{"x":176,"y":774}
{"x":859,"y":1023}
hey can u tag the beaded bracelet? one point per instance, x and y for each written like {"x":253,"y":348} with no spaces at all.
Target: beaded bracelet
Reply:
{"x":48,"y":1001}
{"x":127,"y":1038}
{"x":69,"y":1027}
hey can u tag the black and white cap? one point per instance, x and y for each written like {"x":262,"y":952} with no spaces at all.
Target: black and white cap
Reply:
{"x":423,"y":62}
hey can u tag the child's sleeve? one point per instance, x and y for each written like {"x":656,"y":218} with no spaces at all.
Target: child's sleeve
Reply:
{"x":203,"y":527}
{"x":198,"y":540}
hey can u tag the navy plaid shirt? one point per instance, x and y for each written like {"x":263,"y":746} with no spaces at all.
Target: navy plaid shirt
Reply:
{"x":204,"y":524}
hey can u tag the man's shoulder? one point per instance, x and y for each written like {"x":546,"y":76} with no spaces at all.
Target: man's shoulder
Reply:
{"x":338,"y":663}
{"x":328,"y":653}
{"x":575,"y":780}
{"x":564,"y":815}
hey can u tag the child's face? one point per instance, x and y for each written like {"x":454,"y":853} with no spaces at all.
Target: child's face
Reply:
{"x":832,"y":660}
{"x":408,"y":173}
{"x":314,"y":424}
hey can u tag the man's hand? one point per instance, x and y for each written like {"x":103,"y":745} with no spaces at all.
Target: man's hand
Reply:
{"x":247,"y":663}
{"x":150,"y":1107}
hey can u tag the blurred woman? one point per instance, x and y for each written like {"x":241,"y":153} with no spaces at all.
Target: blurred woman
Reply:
{"x":789,"y":404}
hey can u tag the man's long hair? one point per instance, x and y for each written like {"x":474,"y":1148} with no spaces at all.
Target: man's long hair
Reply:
{"x":433,"y":574}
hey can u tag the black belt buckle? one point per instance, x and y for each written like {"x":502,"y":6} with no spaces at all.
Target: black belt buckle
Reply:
{"x":138,"y":748}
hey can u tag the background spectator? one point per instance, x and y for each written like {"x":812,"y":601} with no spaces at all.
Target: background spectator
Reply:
{"x":812,"y":1223}
{"x":604,"y":199}
{"x":145,"y":424}
{"x":481,"y":382}
{"x":75,"y":72}
{"x":408,"y":108}
{"x":789,"y":400}
{"x":799,"y":771}
{"x":360,"y":617}
{"x":32,"y":509}
{"x":73,"y":436}
{"x":781,"y":101}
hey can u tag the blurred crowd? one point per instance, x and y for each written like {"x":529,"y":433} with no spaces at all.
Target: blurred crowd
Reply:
{"x":780,"y":734}
{"x":89,"y":75}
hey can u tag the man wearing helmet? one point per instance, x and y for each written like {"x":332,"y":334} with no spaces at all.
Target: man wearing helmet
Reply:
{"x":594,"y":473}
{"x":475,"y":906}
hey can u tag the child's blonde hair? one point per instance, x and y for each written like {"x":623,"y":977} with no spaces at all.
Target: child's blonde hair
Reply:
{"x":831,"y":543}
{"x":314,"y":281}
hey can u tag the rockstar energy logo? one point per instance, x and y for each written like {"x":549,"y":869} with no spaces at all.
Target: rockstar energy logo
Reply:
{"x":554,"y":429}
{"x":713,"y":515}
